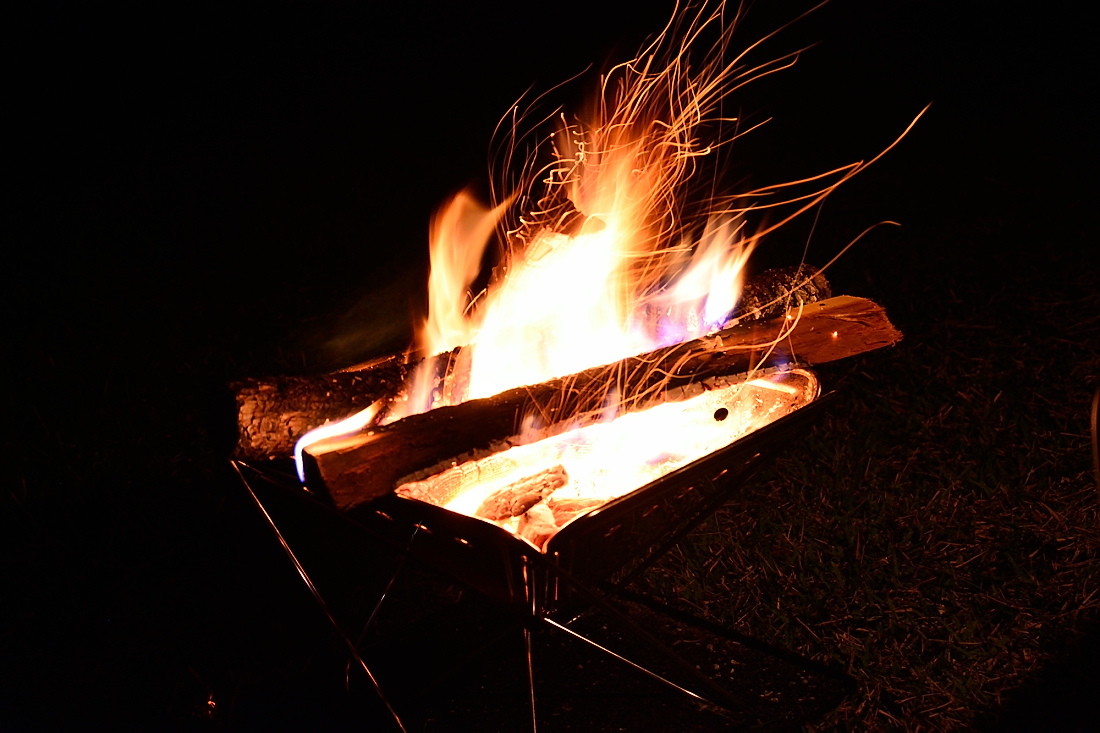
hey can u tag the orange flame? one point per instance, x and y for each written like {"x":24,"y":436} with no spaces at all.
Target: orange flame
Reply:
{"x":459,"y":235}
{"x":606,"y":250}
{"x":606,"y":261}
{"x":614,"y":253}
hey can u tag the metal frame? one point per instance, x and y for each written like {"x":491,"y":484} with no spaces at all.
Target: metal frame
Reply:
{"x":544,"y":577}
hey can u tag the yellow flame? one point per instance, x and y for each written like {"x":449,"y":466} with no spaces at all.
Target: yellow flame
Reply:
{"x":607,"y":250}
{"x":460,"y":232}
{"x":600,"y":255}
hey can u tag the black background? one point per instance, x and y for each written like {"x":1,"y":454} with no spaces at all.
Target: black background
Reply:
{"x":287,"y":139}
{"x":282,"y":139}
{"x":200,"y":193}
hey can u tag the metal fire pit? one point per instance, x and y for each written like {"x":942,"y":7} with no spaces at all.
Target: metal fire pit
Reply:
{"x":614,"y":543}
{"x":626,"y":533}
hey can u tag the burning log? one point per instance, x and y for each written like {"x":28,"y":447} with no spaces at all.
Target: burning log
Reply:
{"x":271,"y":414}
{"x":770,"y":293}
{"x":565,"y":509}
{"x":357,"y":468}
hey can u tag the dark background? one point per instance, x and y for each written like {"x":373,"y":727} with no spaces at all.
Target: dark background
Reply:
{"x":251,"y":150}
{"x":204,"y":193}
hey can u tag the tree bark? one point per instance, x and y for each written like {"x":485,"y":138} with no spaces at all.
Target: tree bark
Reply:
{"x":357,"y":468}
{"x":273,"y":413}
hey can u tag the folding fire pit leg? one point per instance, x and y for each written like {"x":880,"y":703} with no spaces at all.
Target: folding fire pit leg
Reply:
{"x":645,"y":670}
{"x":529,"y":579}
{"x":718,"y":498}
{"x":385,"y":593}
{"x":715,"y":694}
{"x":352,"y":648}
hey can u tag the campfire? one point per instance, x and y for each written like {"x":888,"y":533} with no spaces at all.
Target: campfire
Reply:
{"x":618,"y":340}
{"x":617,"y":377}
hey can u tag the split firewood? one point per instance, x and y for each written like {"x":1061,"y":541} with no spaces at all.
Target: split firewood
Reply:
{"x":271,"y":414}
{"x":357,"y":468}
{"x":438,"y":484}
{"x":515,"y":499}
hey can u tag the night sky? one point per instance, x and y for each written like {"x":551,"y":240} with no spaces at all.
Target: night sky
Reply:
{"x":203,"y":193}
{"x":290,"y":146}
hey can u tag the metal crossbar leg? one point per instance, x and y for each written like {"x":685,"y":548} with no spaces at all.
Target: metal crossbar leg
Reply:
{"x":352,"y":648}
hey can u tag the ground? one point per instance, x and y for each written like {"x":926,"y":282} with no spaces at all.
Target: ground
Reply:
{"x":210,"y":196}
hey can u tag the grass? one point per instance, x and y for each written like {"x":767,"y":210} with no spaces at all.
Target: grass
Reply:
{"x":938,"y":534}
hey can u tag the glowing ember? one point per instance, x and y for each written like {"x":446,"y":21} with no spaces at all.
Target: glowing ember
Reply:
{"x":535,"y":489}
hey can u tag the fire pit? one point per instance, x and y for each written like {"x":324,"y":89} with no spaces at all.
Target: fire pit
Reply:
{"x":558,"y":584}
{"x":492,"y":500}
{"x":461,"y":657}
{"x":552,"y":575}
{"x":525,"y":566}
{"x":616,"y":380}
{"x":535,"y":489}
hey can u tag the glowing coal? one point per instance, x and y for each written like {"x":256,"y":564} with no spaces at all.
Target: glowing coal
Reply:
{"x":535,"y":489}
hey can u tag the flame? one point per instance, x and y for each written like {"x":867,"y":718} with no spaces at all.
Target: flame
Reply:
{"x":460,"y":233}
{"x":608,"y":243}
{"x":604,"y":263}
{"x":355,"y":422}
{"x":607,"y":250}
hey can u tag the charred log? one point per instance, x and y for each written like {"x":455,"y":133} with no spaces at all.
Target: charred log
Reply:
{"x":273,"y":413}
{"x":360,"y":467}
{"x":773,"y":292}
